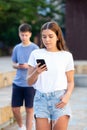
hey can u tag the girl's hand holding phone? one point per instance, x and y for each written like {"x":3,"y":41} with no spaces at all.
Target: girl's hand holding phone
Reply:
{"x":41,"y":65}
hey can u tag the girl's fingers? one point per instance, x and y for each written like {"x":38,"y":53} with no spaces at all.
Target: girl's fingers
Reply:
{"x":60,"y":105}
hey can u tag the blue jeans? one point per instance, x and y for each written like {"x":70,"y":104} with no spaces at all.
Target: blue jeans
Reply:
{"x":44,"y":105}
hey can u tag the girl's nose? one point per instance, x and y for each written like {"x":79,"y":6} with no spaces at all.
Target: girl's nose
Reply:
{"x":47,"y":38}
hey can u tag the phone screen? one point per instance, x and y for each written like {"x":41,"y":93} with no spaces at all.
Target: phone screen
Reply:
{"x":41,"y":61}
{"x":21,"y":63}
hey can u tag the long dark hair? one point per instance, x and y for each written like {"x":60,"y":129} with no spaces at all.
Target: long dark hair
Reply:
{"x":61,"y":45}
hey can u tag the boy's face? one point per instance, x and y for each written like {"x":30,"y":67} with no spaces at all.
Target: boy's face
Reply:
{"x":25,"y":37}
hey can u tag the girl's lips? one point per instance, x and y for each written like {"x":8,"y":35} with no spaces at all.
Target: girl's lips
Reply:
{"x":47,"y":43}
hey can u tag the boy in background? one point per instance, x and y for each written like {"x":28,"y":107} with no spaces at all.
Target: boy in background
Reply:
{"x":21,"y":92}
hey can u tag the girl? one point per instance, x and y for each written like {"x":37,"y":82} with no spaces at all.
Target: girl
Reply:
{"x":53,"y":81}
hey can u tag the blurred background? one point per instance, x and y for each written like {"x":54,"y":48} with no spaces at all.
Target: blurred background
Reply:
{"x":34,"y":12}
{"x":71,"y":15}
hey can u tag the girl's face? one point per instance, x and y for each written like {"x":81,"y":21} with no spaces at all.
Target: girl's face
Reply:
{"x":49,"y":39}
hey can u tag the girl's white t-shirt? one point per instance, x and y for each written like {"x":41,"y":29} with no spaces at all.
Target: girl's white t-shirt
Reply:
{"x":58,"y":63}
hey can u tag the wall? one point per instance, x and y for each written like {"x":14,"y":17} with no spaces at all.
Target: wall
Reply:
{"x":76,"y":28}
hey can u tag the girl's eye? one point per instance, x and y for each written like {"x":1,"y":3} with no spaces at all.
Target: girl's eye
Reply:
{"x":46,"y":37}
{"x":50,"y":36}
{"x":43,"y":36}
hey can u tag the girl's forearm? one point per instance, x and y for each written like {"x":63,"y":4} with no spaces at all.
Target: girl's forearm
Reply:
{"x":70,"y":88}
{"x":32,"y":78}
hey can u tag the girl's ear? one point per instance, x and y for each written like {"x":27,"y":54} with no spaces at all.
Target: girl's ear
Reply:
{"x":57,"y":39}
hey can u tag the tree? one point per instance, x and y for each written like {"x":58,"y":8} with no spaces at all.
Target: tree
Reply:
{"x":35,"y":12}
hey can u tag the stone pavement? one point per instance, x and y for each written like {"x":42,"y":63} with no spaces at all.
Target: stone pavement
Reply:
{"x":5,"y":64}
{"x":78,"y":102}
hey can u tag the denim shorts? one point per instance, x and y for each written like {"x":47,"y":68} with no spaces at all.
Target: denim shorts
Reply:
{"x":22,"y":95}
{"x":44,"y":105}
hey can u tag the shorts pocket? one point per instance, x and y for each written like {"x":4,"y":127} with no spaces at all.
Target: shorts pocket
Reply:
{"x":59,"y":94}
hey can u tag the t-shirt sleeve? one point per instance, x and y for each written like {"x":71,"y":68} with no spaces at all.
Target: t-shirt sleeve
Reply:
{"x":14,"y":55}
{"x":31,"y":60}
{"x":70,"y":63}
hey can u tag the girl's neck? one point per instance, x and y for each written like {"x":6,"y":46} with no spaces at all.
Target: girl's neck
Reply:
{"x":53,"y":50}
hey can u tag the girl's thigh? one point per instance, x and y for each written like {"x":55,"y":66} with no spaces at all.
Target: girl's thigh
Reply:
{"x":61,"y":123}
{"x":42,"y":124}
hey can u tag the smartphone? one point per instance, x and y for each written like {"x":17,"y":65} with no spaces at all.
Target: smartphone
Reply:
{"x":21,"y":63}
{"x":41,"y":61}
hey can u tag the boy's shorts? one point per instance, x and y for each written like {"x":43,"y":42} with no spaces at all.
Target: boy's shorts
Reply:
{"x":44,"y":105}
{"x":22,"y":95}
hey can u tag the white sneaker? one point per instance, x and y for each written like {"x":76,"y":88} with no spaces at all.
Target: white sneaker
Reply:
{"x":22,"y":128}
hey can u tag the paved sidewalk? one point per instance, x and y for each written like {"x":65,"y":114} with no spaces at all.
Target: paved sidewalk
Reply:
{"x":5,"y":64}
{"x":79,"y":109}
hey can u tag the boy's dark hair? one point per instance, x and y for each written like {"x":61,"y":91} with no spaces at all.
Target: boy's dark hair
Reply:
{"x":25,"y":28}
